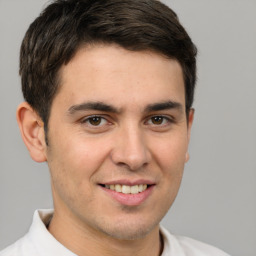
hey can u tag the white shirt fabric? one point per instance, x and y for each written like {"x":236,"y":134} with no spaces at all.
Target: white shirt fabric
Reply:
{"x":39,"y":242}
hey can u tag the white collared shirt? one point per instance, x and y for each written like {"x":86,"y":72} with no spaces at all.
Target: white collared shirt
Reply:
{"x":39,"y":242}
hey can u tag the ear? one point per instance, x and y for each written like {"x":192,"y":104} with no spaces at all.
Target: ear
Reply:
{"x":190,"y":122}
{"x":32,"y":131}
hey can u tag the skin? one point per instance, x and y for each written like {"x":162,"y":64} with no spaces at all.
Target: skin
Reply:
{"x":140,"y":132}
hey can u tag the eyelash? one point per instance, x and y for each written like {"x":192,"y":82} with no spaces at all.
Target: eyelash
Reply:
{"x":90,"y":118}
{"x":166,"y":120}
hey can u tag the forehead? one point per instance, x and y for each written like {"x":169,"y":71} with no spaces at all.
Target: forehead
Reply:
{"x":112,"y":74}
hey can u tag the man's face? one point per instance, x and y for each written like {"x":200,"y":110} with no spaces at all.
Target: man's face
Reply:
{"x":118,"y":138}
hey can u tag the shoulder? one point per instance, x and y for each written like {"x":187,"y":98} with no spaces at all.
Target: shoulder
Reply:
{"x":32,"y":243}
{"x":19,"y":248}
{"x":192,"y":246}
{"x":187,"y":246}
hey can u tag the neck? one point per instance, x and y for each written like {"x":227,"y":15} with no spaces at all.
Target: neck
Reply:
{"x":86,"y":241}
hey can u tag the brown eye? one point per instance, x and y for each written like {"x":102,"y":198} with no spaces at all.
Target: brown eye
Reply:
{"x":157,"y":120}
{"x":96,"y":124}
{"x":95,"y":121}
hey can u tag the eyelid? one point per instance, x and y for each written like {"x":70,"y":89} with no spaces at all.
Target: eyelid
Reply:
{"x":84,"y":120}
{"x":168,"y":118}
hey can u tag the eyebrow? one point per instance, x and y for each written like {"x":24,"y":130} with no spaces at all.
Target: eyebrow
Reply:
{"x":92,"y":106}
{"x":164,"y":106}
{"x":108,"y":108}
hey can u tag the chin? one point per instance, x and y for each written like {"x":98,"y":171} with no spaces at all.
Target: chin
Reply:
{"x":126,"y":230}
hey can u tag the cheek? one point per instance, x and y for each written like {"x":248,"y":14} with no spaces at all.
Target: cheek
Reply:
{"x":87,"y":154}
{"x":72,"y":166}
{"x":76,"y":158}
{"x":170,"y":153}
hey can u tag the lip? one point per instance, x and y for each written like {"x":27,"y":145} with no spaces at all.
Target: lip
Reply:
{"x":129,"y":182}
{"x":129,"y":199}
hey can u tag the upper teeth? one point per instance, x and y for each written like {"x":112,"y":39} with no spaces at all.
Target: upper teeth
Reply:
{"x":127,"y":189}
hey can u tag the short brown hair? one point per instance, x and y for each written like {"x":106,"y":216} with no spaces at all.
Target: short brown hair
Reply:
{"x":66,"y":25}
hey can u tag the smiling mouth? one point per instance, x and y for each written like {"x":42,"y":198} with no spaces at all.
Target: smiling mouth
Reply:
{"x":125,"y":189}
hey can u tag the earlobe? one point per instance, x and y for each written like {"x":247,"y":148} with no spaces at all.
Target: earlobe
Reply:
{"x":32,"y":131}
{"x":186,"y":157}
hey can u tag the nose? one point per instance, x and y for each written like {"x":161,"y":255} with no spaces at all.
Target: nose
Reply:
{"x":130,"y":149}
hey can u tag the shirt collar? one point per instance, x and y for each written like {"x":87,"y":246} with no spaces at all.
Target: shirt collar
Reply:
{"x":42,"y":239}
{"x":171,"y":244}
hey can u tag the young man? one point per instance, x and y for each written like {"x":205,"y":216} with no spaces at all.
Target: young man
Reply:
{"x":109,"y":88}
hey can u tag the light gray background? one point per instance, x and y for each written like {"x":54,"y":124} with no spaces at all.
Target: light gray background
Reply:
{"x":216,"y":203}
